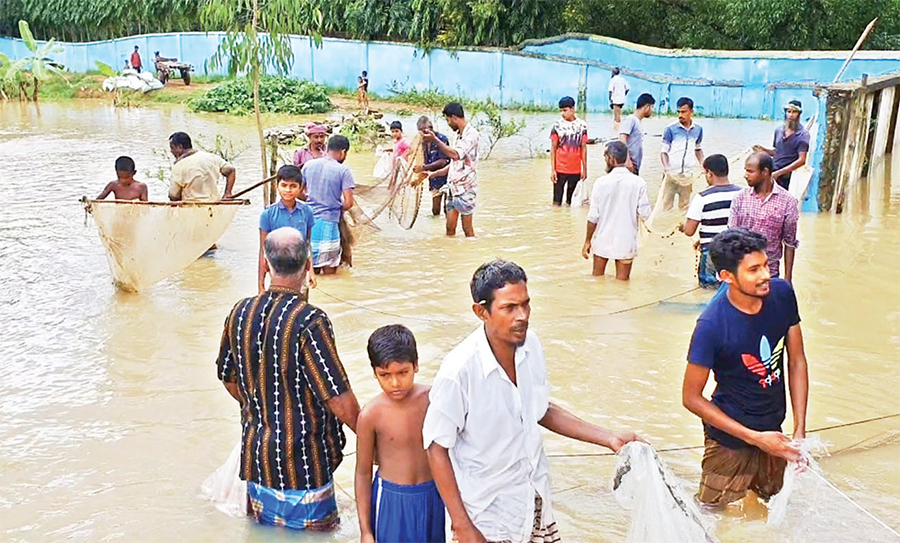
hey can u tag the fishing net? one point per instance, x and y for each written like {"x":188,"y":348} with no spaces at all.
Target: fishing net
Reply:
{"x":662,"y":512}
{"x":400,"y":193}
{"x":795,"y":471}
{"x":663,"y":221}
{"x":225,"y":488}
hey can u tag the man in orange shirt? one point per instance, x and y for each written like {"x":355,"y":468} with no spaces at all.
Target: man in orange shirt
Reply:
{"x":568,"y":152}
{"x":136,"y":60}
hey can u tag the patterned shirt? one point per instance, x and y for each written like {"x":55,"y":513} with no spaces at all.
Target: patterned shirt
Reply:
{"x":463,"y":175}
{"x":281,"y":353}
{"x":775,"y":217}
{"x":569,"y":137}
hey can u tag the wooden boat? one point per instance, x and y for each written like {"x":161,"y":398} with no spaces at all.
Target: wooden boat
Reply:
{"x":149,"y":241}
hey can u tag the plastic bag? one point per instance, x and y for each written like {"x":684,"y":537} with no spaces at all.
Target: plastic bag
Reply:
{"x":662,"y":512}
{"x":384,"y":166}
{"x":225,"y":487}
{"x":581,"y":196}
{"x":778,"y":503}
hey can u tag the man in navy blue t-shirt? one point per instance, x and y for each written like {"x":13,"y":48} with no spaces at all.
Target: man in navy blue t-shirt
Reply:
{"x":748,"y":338}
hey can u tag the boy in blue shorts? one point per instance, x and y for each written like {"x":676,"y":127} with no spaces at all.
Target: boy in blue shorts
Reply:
{"x":291,"y":211}
{"x":402,"y":504}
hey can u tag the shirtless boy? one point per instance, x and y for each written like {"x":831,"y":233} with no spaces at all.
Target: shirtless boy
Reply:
{"x":402,"y":503}
{"x":125,"y":187}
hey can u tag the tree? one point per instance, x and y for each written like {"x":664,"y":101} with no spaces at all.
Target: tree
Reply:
{"x":35,"y":68}
{"x":258,"y":38}
{"x":493,"y":127}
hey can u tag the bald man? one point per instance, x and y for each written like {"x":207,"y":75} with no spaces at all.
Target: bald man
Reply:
{"x":279,"y":361}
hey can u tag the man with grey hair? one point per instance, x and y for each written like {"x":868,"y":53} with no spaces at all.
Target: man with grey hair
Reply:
{"x":435,"y":165}
{"x":617,"y":201}
{"x":279,"y":361}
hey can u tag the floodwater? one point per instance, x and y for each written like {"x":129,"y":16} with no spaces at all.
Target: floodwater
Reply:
{"x":111,"y":415}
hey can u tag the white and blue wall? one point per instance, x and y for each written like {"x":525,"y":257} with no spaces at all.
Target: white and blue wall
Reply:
{"x":752,"y":84}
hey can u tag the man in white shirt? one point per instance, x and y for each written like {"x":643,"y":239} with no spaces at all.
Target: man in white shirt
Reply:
{"x":617,"y":200}
{"x":196,"y":174}
{"x":618,"y":90}
{"x":481,"y":430}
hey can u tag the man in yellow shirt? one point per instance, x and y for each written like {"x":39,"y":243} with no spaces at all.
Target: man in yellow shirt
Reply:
{"x":196,"y":174}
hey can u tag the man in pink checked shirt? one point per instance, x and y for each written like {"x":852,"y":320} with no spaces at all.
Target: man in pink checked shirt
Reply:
{"x":767,"y":208}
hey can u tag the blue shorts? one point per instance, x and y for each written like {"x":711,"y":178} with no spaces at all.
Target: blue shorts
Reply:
{"x":407,"y":513}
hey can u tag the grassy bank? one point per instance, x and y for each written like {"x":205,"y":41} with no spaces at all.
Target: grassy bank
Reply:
{"x":401,"y":101}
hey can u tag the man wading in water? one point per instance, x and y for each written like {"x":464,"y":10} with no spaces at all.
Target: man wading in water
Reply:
{"x":487,"y":403}
{"x":462,"y":173}
{"x":744,"y":337}
{"x":329,"y":191}
{"x":769,"y":209}
{"x":791,"y":145}
{"x":279,"y":361}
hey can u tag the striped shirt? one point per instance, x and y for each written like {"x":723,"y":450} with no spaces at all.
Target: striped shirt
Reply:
{"x":281,"y":353}
{"x":712,"y":207}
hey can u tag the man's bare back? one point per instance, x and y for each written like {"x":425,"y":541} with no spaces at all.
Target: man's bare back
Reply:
{"x":131,"y":191}
{"x":399,"y":452}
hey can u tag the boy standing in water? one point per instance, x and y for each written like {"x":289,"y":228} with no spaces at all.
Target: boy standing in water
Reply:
{"x":288,"y":211}
{"x":125,"y":187}
{"x":568,"y":152}
{"x":402,"y":503}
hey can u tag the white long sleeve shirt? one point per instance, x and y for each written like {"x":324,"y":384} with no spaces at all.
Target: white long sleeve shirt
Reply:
{"x":490,"y":427}
{"x":617,"y":200}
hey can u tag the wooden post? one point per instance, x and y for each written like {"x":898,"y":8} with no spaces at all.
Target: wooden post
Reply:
{"x":854,"y":152}
{"x":271,"y":195}
{"x":837,"y":118}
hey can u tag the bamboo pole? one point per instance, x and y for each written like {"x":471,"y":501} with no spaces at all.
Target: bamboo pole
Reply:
{"x":856,"y":47}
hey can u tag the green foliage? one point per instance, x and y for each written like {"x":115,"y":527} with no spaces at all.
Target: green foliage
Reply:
{"x":488,"y":117}
{"x":430,"y":98}
{"x":33,"y":69}
{"x":709,"y":24}
{"x":276,"y":95}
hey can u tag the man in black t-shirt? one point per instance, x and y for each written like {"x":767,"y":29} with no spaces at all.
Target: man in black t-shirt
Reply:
{"x":745,"y":336}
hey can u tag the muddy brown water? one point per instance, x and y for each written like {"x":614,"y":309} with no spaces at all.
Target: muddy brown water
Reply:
{"x":111,"y":415}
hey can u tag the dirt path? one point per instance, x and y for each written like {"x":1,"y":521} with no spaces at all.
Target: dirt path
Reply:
{"x":348,"y":103}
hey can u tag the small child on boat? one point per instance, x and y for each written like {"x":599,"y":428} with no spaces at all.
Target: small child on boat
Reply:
{"x":402,"y":503}
{"x":125,"y":187}
{"x":291,"y":211}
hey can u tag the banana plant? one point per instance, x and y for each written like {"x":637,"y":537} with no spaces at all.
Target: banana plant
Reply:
{"x":4,"y":67}
{"x":37,"y":67}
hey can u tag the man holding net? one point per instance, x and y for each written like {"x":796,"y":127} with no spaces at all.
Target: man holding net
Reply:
{"x":750,"y":338}
{"x":462,"y":172}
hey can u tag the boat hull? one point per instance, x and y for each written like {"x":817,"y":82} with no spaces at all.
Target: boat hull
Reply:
{"x":148,"y":241}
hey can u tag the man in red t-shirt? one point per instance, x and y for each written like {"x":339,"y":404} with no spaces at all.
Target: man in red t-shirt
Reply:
{"x":136,"y":60}
{"x":568,"y":152}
